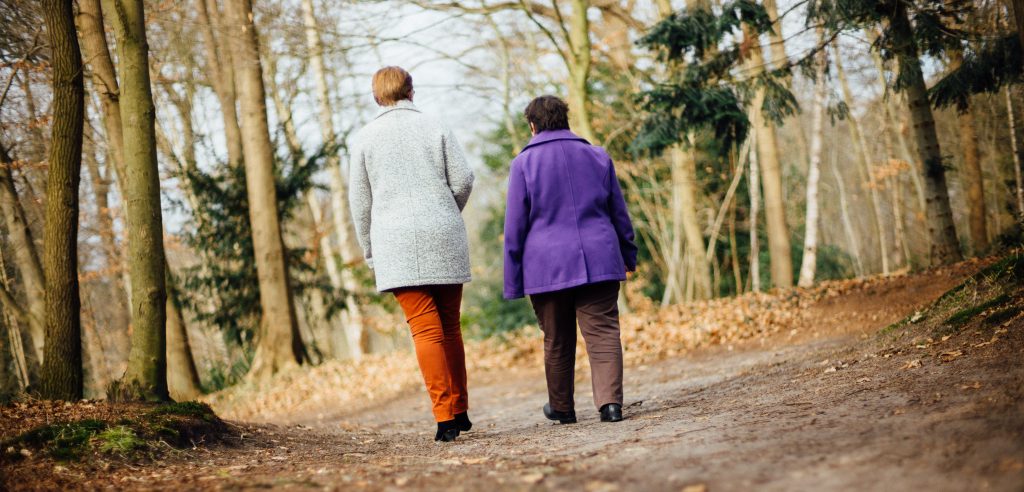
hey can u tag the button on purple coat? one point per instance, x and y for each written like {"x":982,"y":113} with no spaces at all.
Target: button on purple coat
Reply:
{"x":566,"y":223}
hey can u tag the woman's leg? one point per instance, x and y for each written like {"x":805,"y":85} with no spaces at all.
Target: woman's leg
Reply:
{"x":449,"y":306}
{"x":557,"y":317}
{"x":598,"y":312}
{"x":428,"y":337}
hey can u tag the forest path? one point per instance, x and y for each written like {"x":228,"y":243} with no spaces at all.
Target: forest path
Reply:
{"x":834,"y":406}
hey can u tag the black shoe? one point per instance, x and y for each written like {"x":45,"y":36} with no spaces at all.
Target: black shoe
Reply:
{"x":611,"y":412}
{"x":462,"y":421}
{"x":447,"y":431}
{"x":561,"y":417}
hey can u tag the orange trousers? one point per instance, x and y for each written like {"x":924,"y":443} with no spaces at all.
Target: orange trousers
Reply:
{"x":433,"y":315}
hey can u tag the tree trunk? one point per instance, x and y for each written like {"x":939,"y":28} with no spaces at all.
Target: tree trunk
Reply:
{"x":146,"y":377}
{"x":684,"y":211}
{"x":62,"y":359}
{"x":973,"y":181}
{"x":771,"y":172}
{"x":808,"y":264}
{"x":844,"y":214}
{"x":1016,"y":150}
{"x":1017,"y":6}
{"x":26,"y":254}
{"x":579,"y":70}
{"x":755,"y":209}
{"x":352,"y":318}
{"x":10,"y":320}
{"x":104,"y":80}
{"x":219,"y":64}
{"x":945,"y":248}
{"x":865,"y":163}
{"x":182,"y":376}
{"x":279,"y":346}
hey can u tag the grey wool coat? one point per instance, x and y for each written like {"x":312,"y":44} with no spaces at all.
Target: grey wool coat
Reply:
{"x":408,"y":183}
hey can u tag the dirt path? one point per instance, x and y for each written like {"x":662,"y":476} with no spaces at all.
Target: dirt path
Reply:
{"x":830,"y":406}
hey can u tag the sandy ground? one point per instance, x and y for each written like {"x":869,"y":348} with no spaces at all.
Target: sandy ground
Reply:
{"x":831,"y":405}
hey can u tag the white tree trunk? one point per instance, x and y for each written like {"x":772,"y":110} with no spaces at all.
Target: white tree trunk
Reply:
{"x":1016,"y":151}
{"x":755,"y":209}
{"x":809,"y":262}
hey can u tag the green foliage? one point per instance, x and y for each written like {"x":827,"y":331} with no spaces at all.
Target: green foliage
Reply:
{"x":702,"y":96}
{"x":120,"y":440}
{"x":224,"y":289}
{"x":62,"y":441}
{"x":985,"y":68}
{"x":185,"y":409}
{"x":962,"y":316}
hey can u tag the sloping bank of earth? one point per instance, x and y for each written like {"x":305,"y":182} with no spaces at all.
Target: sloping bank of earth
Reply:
{"x":881,"y":387}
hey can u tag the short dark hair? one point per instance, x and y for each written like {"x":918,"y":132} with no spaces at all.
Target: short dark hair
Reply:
{"x":548,"y":113}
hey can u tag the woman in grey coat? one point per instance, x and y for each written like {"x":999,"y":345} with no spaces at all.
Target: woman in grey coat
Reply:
{"x":408,"y":185}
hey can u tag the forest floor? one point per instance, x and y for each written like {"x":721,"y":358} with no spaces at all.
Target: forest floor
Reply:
{"x":899,"y":383}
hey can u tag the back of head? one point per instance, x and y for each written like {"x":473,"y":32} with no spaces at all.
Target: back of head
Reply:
{"x":390,"y":85}
{"x":547,"y":113}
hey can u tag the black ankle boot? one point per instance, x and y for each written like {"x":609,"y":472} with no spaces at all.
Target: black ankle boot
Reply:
{"x":462,"y":421}
{"x":561,"y":417}
{"x":447,"y":431}
{"x":611,"y":412}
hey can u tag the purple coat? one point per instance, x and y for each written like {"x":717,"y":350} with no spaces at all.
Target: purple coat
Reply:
{"x":566,"y":223}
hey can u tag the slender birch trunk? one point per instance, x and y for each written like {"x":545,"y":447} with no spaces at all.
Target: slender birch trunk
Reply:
{"x":808,"y":265}
{"x":1016,"y":150}
{"x":844,"y":214}
{"x":279,"y":346}
{"x":857,"y":135}
{"x":62,"y":359}
{"x":755,"y":209}
{"x":352,"y":318}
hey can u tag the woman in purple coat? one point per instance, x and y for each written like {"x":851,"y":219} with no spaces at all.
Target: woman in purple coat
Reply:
{"x":568,"y":244}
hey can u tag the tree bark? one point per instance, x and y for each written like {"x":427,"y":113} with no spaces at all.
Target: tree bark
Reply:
{"x":771,"y":173}
{"x":755,"y":209}
{"x":347,"y":247}
{"x":945,"y":248}
{"x":974,"y":182}
{"x":10,"y":319}
{"x":1017,"y":8}
{"x":279,"y":346}
{"x":220,"y":65}
{"x":844,"y":215}
{"x":146,"y":377}
{"x":62,"y":359}
{"x":865,"y":167}
{"x":26,"y":254}
{"x":579,"y":70}
{"x":1017,"y":151}
{"x":182,"y":376}
{"x":808,"y":264}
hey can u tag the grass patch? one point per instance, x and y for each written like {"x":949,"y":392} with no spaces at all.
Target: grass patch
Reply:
{"x":63,"y":441}
{"x":184,"y":424}
{"x":965,"y":315}
{"x":120,"y":440}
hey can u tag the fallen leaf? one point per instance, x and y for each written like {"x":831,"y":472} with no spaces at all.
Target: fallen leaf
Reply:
{"x":951,"y":354}
{"x":864,"y":380}
{"x":532,"y":478}
{"x":697,"y":487}
{"x":912,"y":364}
{"x":974,"y":385}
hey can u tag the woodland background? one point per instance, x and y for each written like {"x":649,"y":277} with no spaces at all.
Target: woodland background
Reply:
{"x":173,"y":179}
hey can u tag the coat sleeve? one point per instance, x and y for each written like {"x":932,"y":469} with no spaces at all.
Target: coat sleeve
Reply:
{"x":517,"y":216}
{"x":460,"y":176}
{"x":620,"y":220}
{"x":360,"y":200}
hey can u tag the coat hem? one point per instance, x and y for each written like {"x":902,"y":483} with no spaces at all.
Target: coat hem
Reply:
{"x":570,"y":284}
{"x":425,"y":281}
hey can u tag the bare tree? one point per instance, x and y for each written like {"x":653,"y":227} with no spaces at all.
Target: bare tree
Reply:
{"x":279,"y":346}
{"x":808,"y":264}
{"x":62,"y":362}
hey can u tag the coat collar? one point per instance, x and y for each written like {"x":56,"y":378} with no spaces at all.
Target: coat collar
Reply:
{"x":403,"y":104}
{"x":551,"y":136}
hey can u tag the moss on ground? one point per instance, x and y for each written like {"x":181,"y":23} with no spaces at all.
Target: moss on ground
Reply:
{"x":182,"y":424}
{"x":990,"y":288}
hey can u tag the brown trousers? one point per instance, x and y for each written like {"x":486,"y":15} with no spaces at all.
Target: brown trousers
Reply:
{"x":596,"y":308}
{"x":433,"y":315}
